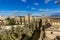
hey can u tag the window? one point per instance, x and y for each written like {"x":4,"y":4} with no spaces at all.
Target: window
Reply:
{"x":51,"y":32}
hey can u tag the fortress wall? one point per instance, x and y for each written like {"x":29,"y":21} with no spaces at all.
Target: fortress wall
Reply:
{"x":52,"y":34}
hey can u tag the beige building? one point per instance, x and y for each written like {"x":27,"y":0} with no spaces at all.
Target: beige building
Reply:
{"x":54,"y":30}
{"x":5,"y":22}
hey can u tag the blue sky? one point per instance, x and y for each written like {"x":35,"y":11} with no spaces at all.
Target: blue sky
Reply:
{"x":34,"y":7}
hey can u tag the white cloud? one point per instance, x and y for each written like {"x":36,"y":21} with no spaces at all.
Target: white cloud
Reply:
{"x":33,"y":8}
{"x":34,"y":13}
{"x":23,"y":0}
{"x":51,"y":11}
{"x":41,"y":9}
{"x":36,"y":3}
{"x":23,"y":11}
{"x":47,"y":1}
{"x":10,"y":12}
{"x":44,"y":10}
{"x":57,"y":1}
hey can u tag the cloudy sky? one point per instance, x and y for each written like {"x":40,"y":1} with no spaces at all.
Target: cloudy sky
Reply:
{"x":34,"y":7}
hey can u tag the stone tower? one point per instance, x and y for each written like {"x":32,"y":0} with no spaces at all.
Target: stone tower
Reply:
{"x":42,"y":34}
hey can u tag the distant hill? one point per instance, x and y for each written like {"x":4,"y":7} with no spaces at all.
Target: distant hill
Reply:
{"x":55,"y":14}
